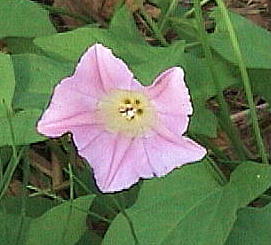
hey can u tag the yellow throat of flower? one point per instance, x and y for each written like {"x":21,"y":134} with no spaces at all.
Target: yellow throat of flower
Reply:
{"x":127,"y":112}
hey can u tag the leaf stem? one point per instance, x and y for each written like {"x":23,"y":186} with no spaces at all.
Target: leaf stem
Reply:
{"x":154,"y":28}
{"x":192,"y":10}
{"x":26,"y":171}
{"x":222,"y":178}
{"x":191,"y":45}
{"x":171,"y":7}
{"x":61,"y":200}
{"x":223,"y":114}
{"x":9,"y":113}
{"x":213,"y":147}
{"x":245,"y":79}
{"x":122,"y":209}
{"x":71,"y":182}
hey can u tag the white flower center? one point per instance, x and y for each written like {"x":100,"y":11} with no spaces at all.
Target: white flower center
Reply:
{"x":130,"y":108}
{"x":128,"y":112}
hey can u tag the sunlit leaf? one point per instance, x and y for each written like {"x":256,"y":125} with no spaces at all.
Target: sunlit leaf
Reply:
{"x":23,"y":18}
{"x":24,"y":128}
{"x":189,"y":207}
{"x":249,"y":35}
{"x":36,"y":77}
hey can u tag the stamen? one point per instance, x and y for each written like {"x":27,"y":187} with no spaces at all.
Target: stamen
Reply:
{"x":128,"y":112}
{"x":127,"y":101}
{"x":137,"y":102}
{"x":139,"y":111}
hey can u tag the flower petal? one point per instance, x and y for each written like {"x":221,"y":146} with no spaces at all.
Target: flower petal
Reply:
{"x":117,"y":161}
{"x":100,"y":69}
{"x":171,"y":98}
{"x":68,"y":107}
{"x":167,"y":151}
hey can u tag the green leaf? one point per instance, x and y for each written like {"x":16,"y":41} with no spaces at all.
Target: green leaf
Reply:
{"x":185,"y":206}
{"x":145,"y":61}
{"x":5,"y":156}
{"x":19,"y":45}
{"x":261,"y":82}
{"x":248,"y":181}
{"x":252,"y":227}
{"x":248,"y":35}
{"x":24,"y":127}
{"x":23,"y":18}
{"x":34,"y":206}
{"x":62,"y":225}
{"x":185,"y":28}
{"x":199,"y":81}
{"x":13,"y":229}
{"x":7,"y":82}
{"x":90,"y":238}
{"x":36,"y":77}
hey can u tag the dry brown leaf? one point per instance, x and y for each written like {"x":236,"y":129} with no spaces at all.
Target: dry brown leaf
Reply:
{"x":15,"y":188}
{"x":57,"y":174}
{"x":152,"y":11}
{"x":99,"y":10}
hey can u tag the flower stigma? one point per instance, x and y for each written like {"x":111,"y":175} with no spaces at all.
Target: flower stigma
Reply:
{"x":127,"y":112}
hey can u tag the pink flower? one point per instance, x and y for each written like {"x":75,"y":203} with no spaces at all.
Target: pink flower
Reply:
{"x":124,"y":130}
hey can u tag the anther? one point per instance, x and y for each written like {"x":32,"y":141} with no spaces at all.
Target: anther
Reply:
{"x":137,"y":102}
{"x":139,"y":111}
{"x":127,"y":101}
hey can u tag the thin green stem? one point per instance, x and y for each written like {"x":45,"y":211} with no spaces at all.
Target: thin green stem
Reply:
{"x":40,"y":192}
{"x":86,"y":189}
{"x":12,"y":165}
{"x":265,"y":197}
{"x":154,"y":28}
{"x":245,"y":79}
{"x":191,"y":11}
{"x":191,"y":45}
{"x":222,"y":178}
{"x":71,"y":182}
{"x":26,"y":170}
{"x":9,"y":113}
{"x":97,"y":216}
{"x":171,"y":7}
{"x":213,"y":147}
{"x":1,"y":169}
{"x":223,"y":114}
{"x":122,"y":209}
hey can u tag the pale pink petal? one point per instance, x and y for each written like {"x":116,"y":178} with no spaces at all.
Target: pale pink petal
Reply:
{"x":83,"y":136}
{"x":171,"y":98}
{"x":129,"y":167}
{"x":68,"y":107}
{"x":117,"y":161}
{"x":167,"y":151}
{"x":100,"y":69}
